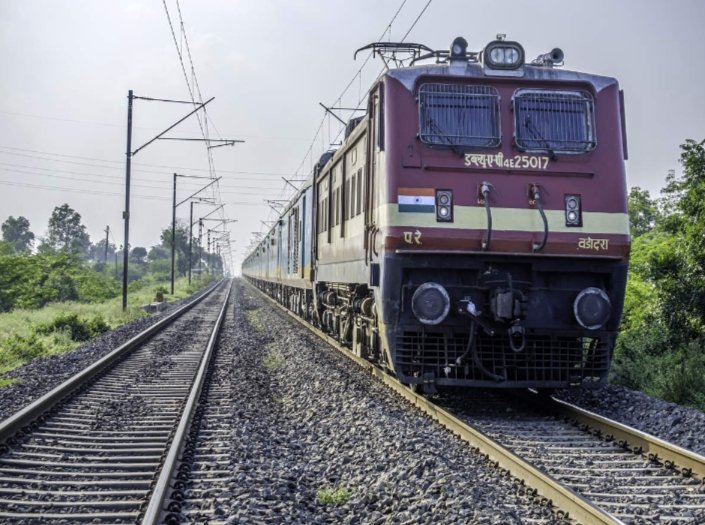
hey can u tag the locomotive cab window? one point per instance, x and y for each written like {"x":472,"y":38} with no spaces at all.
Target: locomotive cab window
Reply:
{"x":554,"y":121}
{"x":457,"y":115}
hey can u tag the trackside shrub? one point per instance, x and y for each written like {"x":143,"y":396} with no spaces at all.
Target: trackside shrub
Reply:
{"x":80,"y":329}
{"x":17,"y":347}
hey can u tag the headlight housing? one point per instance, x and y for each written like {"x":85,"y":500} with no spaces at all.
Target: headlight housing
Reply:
{"x":501,"y":54}
{"x":430,"y":303}
{"x":592,"y":308}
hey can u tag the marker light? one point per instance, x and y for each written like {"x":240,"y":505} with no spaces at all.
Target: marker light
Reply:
{"x":501,"y":54}
{"x":444,"y":206}
{"x":573,"y":211}
{"x":430,"y":303}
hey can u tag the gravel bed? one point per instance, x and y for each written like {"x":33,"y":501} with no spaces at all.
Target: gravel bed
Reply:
{"x":673,"y":423}
{"x":307,"y":420}
{"x":40,"y":375}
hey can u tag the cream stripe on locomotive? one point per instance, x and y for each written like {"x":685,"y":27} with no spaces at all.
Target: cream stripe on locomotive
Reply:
{"x":507,"y":219}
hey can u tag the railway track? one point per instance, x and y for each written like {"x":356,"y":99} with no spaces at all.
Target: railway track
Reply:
{"x":102,"y":447}
{"x":590,"y":469}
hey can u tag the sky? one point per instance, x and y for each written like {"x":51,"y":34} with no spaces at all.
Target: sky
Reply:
{"x":67,"y":67}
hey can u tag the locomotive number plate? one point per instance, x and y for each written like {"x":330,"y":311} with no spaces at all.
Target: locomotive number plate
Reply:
{"x":500,"y":161}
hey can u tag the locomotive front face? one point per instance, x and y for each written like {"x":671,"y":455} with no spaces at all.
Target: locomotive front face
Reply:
{"x":504,"y":229}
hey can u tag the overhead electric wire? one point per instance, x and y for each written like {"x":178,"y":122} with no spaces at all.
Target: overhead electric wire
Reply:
{"x":203,"y":125}
{"x":166,"y":182}
{"x":359,"y":73}
{"x":361,"y":100}
{"x":121,"y":164}
{"x":260,"y":194}
{"x":338,"y":100}
{"x":258,"y":202}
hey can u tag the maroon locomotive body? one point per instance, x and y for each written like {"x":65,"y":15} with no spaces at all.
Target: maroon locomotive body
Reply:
{"x":472,"y":229}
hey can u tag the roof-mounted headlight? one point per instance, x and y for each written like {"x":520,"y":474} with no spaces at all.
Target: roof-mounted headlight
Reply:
{"x":501,"y":54}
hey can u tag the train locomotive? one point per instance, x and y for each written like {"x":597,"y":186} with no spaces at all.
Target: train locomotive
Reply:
{"x":472,"y":228}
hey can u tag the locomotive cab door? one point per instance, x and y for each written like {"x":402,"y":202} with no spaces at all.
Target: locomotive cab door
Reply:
{"x":375,"y":145}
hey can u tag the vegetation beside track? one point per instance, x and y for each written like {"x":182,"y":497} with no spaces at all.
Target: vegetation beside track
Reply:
{"x":60,"y":327}
{"x":661,"y":346}
{"x":66,"y":290}
{"x":329,"y":496}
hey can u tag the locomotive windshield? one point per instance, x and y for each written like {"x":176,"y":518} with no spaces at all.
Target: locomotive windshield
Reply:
{"x":458,"y":115}
{"x":557,"y":121}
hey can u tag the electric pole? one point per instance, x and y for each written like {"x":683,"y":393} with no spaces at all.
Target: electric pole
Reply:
{"x":107,"y":232}
{"x":126,"y":213}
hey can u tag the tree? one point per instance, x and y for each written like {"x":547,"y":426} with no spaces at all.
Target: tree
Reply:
{"x":643,"y":211}
{"x":692,"y":202}
{"x":181,"y":246}
{"x":96,"y":252}
{"x":66,"y":233}
{"x":17,"y":233}
{"x":138,"y":255}
{"x":157,"y":253}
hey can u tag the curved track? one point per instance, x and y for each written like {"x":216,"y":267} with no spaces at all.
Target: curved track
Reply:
{"x":591,"y":469}
{"x":92,"y":450}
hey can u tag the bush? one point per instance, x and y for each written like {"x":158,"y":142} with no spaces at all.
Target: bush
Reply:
{"x":135,"y":286}
{"x":17,"y":347}
{"x":680,"y":378}
{"x":329,"y":496}
{"x":79,"y":329}
{"x":94,"y":287}
{"x":160,"y":269}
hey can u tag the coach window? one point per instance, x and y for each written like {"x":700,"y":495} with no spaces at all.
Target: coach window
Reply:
{"x":554,"y":121}
{"x":350,"y":197}
{"x":294,"y":241}
{"x":336,"y":195}
{"x":358,"y":191}
{"x":458,"y":116}
{"x":323,"y":205}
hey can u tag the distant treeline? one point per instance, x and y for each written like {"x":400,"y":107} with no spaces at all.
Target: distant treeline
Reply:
{"x":66,"y":266}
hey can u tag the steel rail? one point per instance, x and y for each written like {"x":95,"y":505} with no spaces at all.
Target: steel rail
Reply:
{"x":32,"y":412}
{"x":154,"y":508}
{"x":656,"y":449}
{"x":573,"y":505}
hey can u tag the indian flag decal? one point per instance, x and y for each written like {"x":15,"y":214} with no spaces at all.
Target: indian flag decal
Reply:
{"x":416,"y":200}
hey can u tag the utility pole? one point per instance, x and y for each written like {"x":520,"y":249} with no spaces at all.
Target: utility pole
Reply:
{"x":173,"y":236}
{"x":173,"y":218}
{"x":107,"y":232}
{"x":208,"y":252}
{"x":190,"y":241}
{"x":200,"y":236}
{"x":129,"y":154}
{"x":190,"y":235}
{"x":126,"y":213}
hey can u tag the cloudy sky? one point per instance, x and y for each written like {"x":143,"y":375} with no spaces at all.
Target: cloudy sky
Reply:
{"x":67,"y":66}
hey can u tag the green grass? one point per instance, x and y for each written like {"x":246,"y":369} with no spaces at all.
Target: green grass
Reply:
{"x":273,"y":360}
{"x":283,"y":400}
{"x":254,"y":320}
{"x":329,"y":496}
{"x":21,"y":340}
